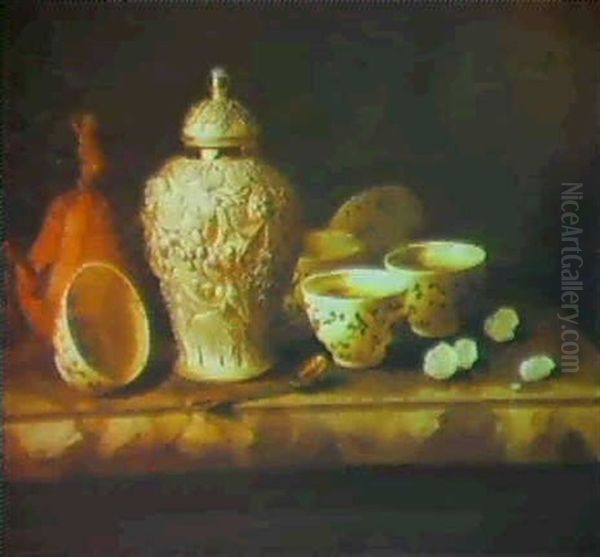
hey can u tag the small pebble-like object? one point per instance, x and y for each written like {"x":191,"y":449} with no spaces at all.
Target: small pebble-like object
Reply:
{"x":312,"y":371}
{"x":501,"y":325}
{"x":441,"y":361}
{"x":536,"y":368}
{"x":516,"y":386}
{"x":466,"y":350}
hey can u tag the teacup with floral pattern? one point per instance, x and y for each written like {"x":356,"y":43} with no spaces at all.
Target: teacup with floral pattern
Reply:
{"x":446,"y":280}
{"x":352,"y":312}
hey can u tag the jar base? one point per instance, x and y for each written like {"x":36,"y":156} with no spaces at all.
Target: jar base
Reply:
{"x":204,"y":375}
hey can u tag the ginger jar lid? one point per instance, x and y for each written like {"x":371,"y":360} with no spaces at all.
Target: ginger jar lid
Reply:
{"x":219,"y":121}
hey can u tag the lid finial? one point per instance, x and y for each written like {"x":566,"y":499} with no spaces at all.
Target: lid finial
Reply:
{"x":219,"y":82}
{"x":219,"y":121}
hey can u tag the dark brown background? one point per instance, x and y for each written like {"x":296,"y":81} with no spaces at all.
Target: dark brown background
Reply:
{"x":483,"y":111}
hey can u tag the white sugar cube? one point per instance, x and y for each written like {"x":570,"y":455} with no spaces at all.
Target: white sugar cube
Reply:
{"x":501,"y":325}
{"x":466,"y":350}
{"x":536,"y":368}
{"x":441,"y":361}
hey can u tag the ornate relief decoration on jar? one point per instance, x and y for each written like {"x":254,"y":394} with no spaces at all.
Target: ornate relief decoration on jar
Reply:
{"x":222,"y":234}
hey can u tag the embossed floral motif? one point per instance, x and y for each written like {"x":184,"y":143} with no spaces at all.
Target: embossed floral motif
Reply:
{"x":214,"y":231}
{"x":221,"y":233}
{"x":218,"y":118}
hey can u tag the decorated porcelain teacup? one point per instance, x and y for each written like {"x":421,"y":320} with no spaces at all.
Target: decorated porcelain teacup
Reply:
{"x":323,"y":250}
{"x":352,"y":312}
{"x":446,"y":280}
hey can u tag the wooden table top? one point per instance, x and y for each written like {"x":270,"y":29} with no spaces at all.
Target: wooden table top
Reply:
{"x":391,"y":415}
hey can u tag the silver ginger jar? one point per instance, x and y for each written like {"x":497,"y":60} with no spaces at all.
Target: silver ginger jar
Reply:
{"x":221,"y":227}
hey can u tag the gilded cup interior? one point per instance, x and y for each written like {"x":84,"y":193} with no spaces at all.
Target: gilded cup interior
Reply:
{"x":436,"y":257}
{"x":107,"y":322}
{"x":354,"y":284}
{"x":330,"y":244}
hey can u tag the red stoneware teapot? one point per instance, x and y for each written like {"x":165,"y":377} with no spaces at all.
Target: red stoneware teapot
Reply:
{"x":78,"y":228}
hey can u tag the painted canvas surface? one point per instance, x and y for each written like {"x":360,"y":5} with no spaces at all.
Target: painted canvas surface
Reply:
{"x":286,"y":237}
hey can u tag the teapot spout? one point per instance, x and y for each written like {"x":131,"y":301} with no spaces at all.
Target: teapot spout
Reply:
{"x":25,"y":271}
{"x":28,"y":287}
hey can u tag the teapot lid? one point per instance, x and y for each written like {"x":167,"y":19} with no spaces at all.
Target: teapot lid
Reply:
{"x":219,"y":121}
